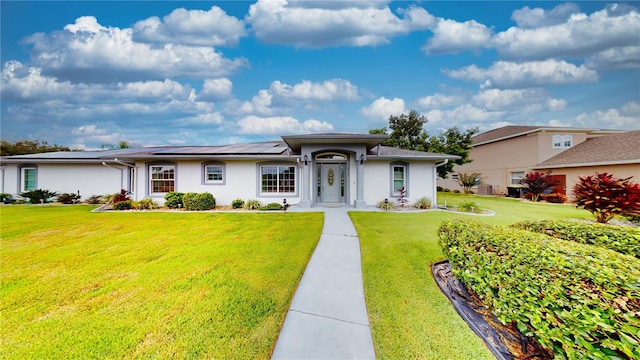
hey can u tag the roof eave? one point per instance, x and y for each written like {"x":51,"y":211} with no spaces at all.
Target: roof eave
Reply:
{"x":598,"y":163}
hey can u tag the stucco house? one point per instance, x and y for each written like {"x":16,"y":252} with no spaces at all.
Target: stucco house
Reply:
{"x":503,"y":156}
{"x":349,"y":169}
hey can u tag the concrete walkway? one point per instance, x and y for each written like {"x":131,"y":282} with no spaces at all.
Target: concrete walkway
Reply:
{"x":328,"y":315}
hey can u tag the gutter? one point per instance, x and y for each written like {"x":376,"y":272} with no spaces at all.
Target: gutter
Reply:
{"x":446,"y":161}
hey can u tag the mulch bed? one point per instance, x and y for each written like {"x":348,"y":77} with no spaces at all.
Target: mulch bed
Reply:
{"x":505,"y":342}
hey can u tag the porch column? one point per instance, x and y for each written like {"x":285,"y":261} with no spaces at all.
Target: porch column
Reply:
{"x":306,"y":182}
{"x":360,"y":203}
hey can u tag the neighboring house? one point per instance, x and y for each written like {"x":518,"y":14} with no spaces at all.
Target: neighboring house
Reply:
{"x":303,"y":169}
{"x":504,"y":155}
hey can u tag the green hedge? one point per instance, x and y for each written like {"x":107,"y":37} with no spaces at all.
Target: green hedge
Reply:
{"x":578,"y":300}
{"x":198,"y":201}
{"x":624,"y":240}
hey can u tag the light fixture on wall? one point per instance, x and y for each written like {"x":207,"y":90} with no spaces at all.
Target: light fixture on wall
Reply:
{"x":361,"y":159}
{"x":306,"y":159}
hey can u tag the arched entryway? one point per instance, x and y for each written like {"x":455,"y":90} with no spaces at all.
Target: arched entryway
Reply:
{"x":331,"y":174}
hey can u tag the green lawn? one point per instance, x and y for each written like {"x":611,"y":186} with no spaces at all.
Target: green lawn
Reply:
{"x":410,"y":318}
{"x":76,"y":284}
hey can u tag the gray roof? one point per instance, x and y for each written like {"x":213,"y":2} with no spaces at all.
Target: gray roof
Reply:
{"x":621,"y":148}
{"x":512,"y":131}
{"x":289,"y":148}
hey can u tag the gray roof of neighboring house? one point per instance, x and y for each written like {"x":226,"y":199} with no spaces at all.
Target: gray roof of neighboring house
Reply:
{"x":512,"y":131}
{"x":623,"y":148}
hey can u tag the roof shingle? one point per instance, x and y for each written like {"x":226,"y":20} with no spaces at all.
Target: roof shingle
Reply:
{"x":615,"y":148}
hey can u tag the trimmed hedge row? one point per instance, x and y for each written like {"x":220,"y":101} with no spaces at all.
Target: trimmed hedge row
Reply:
{"x":624,"y":240}
{"x":578,"y":300}
{"x":198,"y":201}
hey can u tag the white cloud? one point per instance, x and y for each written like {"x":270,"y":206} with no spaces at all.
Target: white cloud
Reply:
{"x":216,"y":89}
{"x":440,"y":100}
{"x":214,"y":118}
{"x":627,"y":57}
{"x":191,"y":27}
{"x":259,"y":104}
{"x":463,"y":115}
{"x":281,"y":125}
{"x":627,"y":117}
{"x":326,"y":91}
{"x":382,"y":108}
{"x":504,"y":74}
{"x":579,"y":36}
{"x":87,"y":51}
{"x":528,"y":18}
{"x":319,"y":24}
{"x":452,"y":37}
{"x":517,"y":99}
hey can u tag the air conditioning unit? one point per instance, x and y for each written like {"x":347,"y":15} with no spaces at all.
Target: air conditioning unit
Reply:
{"x":485,"y":189}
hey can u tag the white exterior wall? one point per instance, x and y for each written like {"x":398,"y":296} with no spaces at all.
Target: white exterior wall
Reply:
{"x":88,"y":179}
{"x":378,"y":181}
{"x":241,"y":181}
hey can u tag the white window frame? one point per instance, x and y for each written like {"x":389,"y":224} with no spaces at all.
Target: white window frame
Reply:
{"x":205,"y":173}
{"x":152,"y":180}
{"x":278,"y":181}
{"x":23,"y":177}
{"x":517,"y":176}
{"x":562,"y":141}
{"x":405,"y":178}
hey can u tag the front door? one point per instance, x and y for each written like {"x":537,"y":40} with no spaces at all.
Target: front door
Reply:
{"x":331,"y":183}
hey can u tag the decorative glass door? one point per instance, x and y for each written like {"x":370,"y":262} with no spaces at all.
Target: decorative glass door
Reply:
{"x":331,"y":182}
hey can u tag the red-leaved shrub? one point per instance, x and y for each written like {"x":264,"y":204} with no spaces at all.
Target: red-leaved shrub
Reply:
{"x":606,"y":196}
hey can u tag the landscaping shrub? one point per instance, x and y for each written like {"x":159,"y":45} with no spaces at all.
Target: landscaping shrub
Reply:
{"x":385,"y":206}
{"x":4,"y":197}
{"x":469,"y":206}
{"x":237,"y":204}
{"x":173,"y":200}
{"x":38,"y":196}
{"x":69,"y":198}
{"x":145,"y":204}
{"x":95,"y":199}
{"x":556,"y":198}
{"x":271,"y":206}
{"x":536,"y":183}
{"x":605,"y":196}
{"x":252,"y":205}
{"x":625,"y":240}
{"x":198,"y":201}
{"x":112,"y":199}
{"x":467,"y":181}
{"x":579,"y":301}
{"x":423,"y":203}
{"x":123,"y":205}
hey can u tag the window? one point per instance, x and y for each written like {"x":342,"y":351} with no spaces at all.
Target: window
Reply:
{"x":213,"y":173}
{"x":162,"y":179}
{"x":277,"y":179}
{"x":132,"y":180}
{"x":562,"y":141}
{"x":28,"y":175}
{"x":516,"y":177}
{"x":399,"y":178}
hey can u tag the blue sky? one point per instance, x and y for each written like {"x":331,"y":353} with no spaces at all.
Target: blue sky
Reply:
{"x":84,"y":74}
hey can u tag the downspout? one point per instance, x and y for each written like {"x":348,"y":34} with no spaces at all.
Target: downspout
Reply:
{"x":435,"y":181}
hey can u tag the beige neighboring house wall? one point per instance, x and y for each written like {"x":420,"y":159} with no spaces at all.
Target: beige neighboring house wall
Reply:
{"x":503,"y":155}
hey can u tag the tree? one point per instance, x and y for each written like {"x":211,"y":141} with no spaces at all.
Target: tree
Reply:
{"x":468,"y":180}
{"x":22,"y":147}
{"x":121,"y":145}
{"x":537,"y":183}
{"x":407,"y":131}
{"x":454,"y":142}
{"x":606,"y":196}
